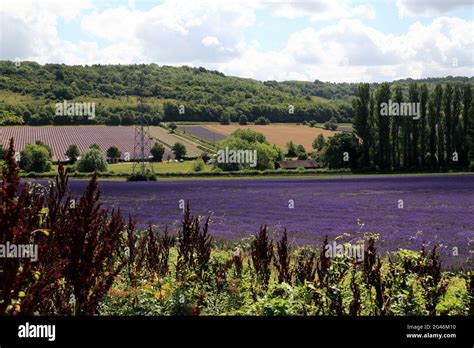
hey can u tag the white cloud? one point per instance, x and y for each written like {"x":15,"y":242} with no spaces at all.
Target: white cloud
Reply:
{"x":429,"y":8}
{"x":210,"y":41}
{"x":320,"y":9}
{"x":29,"y":28}
{"x":115,"y":24}
{"x":352,"y":51}
{"x":213,"y":34}
{"x":177,"y":32}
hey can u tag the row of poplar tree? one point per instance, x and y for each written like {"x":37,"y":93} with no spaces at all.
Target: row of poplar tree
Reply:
{"x":442,"y":136}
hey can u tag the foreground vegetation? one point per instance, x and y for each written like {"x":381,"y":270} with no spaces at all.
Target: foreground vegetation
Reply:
{"x":92,"y":261}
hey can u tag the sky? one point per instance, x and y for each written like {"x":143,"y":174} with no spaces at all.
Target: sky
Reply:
{"x":333,"y":40}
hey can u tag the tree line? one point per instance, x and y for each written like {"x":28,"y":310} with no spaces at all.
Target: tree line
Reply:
{"x":206,"y":95}
{"x":441,"y":135}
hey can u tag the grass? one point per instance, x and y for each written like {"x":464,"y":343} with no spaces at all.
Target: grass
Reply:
{"x":209,"y":175}
{"x":125,"y":168}
{"x":17,"y":98}
{"x":158,"y":167}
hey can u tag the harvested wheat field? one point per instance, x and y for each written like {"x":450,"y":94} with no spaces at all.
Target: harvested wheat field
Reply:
{"x":279,"y":134}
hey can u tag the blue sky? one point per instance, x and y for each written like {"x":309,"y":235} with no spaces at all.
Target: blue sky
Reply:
{"x":338,"y":40}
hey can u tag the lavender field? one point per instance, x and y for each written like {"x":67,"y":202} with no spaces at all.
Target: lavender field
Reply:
{"x":436,"y":209}
{"x":202,"y":133}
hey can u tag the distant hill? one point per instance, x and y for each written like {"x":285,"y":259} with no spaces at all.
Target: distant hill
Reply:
{"x":29,"y":92}
{"x":346,"y":91}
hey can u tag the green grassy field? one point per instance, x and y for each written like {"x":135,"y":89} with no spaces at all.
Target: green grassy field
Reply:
{"x":158,"y":167}
{"x":125,"y":168}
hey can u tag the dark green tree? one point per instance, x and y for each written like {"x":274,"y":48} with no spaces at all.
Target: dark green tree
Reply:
{"x":467,"y":125}
{"x":91,"y":161}
{"x":319,"y":142}
{"x":342,"y":151}
{"x":172,"y":127}
{"x":179,"y":150}
{"x":423,"y":123}
{"x":292,"y":150}
{"x":225,"y":119}
{"x":300,"y":149}
{"x":35,"y":158}
{"x":95,"y":147}
{"x":360,"y":123}
{"x":448,"y":121}
{"x":397,"y":124}
{"x":157,"y":151}
{"x":113,"y":153}
{"x":439,"y":121}
{"x":456,"y":131}
{"x":47,"y":147}
{"x":413,"y":134}
{"x":72,"y":153}
{"x":383,"y":123}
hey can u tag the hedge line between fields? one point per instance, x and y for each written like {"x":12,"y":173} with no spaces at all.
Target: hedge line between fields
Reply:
{"x":242,"y":173}
{"x":203,"y":174}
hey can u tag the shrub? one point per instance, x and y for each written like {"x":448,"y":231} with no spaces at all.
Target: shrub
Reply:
{"x":113,"y":152}
{"x":303,"y":156}
{"x":250,"y":136}
{"x":35,"y":158}
{"x":156,"y":251}
{"x":142,"y":177}
{"x":282,"y":260}
{"x":262,"y":253}
{"x":113,"y":120}
{"x":157,"y":151}
{"x":319,"y":142}
{"x":94,"y":147}
{"x":225,"y":119}
{"x":194,"y":247}
{"x":179,"y":150}
{"x":198,"y":166}
{"x":78,"y":246}
{"x":336,"y":148}
{"x":172,"y":127}
{"x":243,"y":120}
{"x":331,"y":124}
{"x":262,"y":121}
{"x":91,"y":161}
{"x":292,"y":150}
{"x":72,"y":153}
{"x":205,"y":157}
{"x":305,"y":268}
{"x":46,"y":146}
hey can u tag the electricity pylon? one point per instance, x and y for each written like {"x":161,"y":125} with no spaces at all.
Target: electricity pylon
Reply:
{"x":141,"y":146}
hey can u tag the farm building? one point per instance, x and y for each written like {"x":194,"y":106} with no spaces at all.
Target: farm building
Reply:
{"x":306,"y":164}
